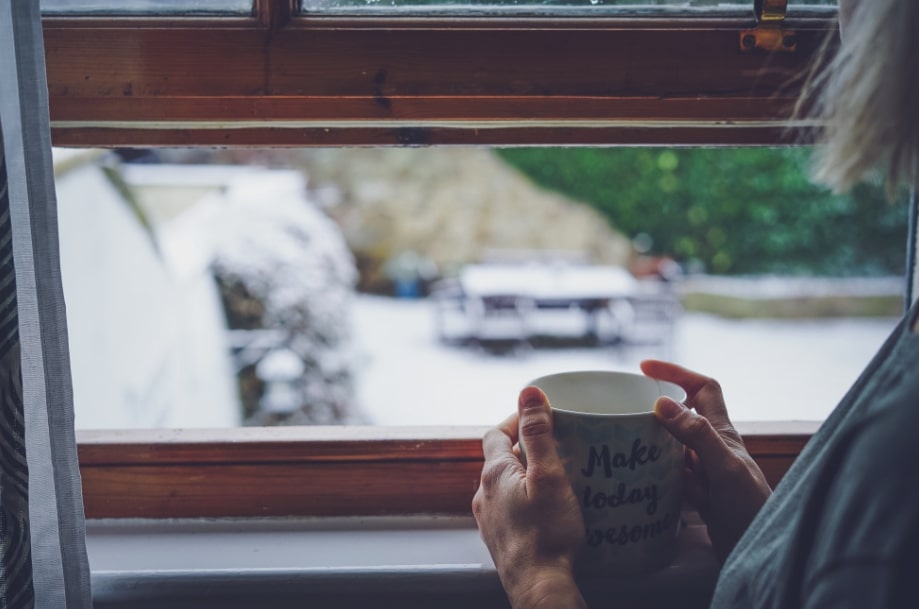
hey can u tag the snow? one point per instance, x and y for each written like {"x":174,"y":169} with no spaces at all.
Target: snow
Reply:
{"x":280,"y":365}
{"x":285,"y":249}
{"x":548,"y":281}
{"x":149,"y":320}
{"x":768,"y":369}
{"x":147,"y":344}
{"x":256,"y":227}
{"x":287,"y":253}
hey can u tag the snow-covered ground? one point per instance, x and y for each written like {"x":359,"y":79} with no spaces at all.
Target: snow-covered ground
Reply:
{"x":769,"y":370}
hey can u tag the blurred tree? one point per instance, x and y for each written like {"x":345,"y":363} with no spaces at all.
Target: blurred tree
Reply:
{"x":745,"y":210}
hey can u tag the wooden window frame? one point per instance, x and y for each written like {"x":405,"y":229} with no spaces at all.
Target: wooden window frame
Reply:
{"x":272,"y":80}
{"x":280,"y":81}
{"x":318,"y":471}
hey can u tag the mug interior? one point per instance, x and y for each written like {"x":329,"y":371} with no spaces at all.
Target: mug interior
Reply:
{"x":603,"y":392}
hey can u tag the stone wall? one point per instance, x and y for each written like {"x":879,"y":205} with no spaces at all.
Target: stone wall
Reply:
{"x":450,"y":206}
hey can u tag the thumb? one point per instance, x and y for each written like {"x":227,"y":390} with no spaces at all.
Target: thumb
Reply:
{"x":692,"y":429}
{"x":536,"y":438}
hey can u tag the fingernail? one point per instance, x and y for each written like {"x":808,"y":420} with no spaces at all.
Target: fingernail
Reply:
{"x":531,"y":398}
{"x":667,"y":408}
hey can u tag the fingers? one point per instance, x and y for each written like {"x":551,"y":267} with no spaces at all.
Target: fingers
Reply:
{"x":693,"y":430}
{"x":501,"y":462}
{"x":499,"y":441}
{"x":692,"y":382}
{"x":704,"y":393}
{"x":535,"y":425}
{"x":695,"y":486}
{"x":544,"y":468}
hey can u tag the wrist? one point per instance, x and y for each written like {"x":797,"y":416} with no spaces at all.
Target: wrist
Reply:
{"x":545,"y":588}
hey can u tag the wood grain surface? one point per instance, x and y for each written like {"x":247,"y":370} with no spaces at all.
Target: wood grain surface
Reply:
{"x":323,"y":81}
{"x":316,"y":471}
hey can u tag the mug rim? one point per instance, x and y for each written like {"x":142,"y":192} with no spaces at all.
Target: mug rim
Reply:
{"x":619,"y":373}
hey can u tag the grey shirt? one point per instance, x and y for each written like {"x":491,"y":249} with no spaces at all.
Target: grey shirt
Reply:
{"x":842,"y":528}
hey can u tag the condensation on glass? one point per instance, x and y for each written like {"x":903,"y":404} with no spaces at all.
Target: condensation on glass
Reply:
{"x":146,"y":7}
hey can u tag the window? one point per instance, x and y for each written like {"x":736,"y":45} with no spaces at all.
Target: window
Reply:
{"x":276,"y":79}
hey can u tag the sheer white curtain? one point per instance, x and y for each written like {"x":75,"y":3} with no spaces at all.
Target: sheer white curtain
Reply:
{"x":42,"y":542}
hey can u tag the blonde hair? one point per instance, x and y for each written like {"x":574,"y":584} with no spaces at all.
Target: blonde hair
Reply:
{"x":866,"y":98}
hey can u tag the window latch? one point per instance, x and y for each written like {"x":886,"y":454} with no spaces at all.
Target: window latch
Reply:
{"x":769,"y":35}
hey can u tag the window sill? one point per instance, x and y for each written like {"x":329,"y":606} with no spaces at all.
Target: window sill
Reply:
{"x":317,"y":471}
{"x":366,"y":562}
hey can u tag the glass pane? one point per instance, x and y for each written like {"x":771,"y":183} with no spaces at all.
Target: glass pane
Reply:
{"x":666,"y":7}
{"x":146,"y":7}
{"x":212,"y":288}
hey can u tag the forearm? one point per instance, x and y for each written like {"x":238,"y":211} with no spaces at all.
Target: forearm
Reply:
{"x":553,"y":590}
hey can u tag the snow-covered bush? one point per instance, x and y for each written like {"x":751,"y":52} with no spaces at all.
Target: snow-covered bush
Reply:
{"x":287,"y":279}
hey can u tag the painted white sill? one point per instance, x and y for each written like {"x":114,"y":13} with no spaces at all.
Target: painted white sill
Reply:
{"x":342,"y":562}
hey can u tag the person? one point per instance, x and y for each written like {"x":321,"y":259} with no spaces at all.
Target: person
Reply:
{"x":842,"y":527}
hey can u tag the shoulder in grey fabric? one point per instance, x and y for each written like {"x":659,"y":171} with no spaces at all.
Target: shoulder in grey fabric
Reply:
{"x":842,"y":528}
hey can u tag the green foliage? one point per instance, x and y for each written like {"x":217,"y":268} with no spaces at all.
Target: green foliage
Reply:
{"x":744,"y":210}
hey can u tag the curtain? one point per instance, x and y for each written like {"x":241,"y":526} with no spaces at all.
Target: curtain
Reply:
{"x":43,"y":561}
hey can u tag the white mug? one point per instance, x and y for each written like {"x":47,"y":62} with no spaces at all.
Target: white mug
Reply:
{"x":625,"y":468}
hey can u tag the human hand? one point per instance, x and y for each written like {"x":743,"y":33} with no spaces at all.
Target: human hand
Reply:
{"x":722,"y":481}
{"x":528,"y":516}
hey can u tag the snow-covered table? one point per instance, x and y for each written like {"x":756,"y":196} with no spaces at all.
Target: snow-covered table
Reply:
{"x":509,"y":301}
{"x":549,"y":285}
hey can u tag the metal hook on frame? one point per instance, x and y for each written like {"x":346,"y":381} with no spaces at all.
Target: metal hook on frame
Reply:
{"x":769,"y":10}
{"x":769,"y":35}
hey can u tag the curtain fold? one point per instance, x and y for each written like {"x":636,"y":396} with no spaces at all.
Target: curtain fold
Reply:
{"x":16,"y":589}
{"x":43,"y":561}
